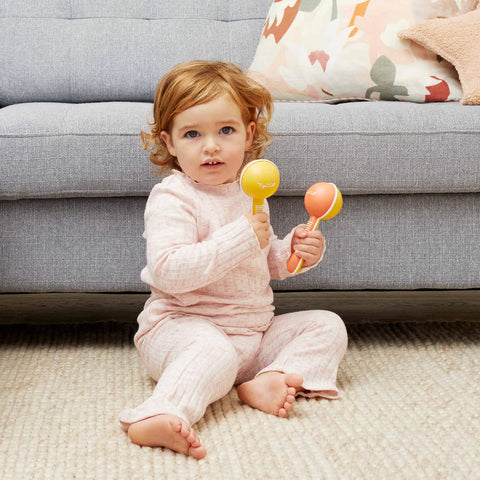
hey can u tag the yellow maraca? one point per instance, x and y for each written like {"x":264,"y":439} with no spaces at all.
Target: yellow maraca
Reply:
{"x":259,"y":179}
{"x":322,"y":201}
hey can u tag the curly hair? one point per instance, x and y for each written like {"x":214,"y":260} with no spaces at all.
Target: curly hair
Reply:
{"x":198,"y":82}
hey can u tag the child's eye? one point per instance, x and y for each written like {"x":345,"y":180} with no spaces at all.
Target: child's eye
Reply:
{"x":192,"y":134}
{"x":226,"y":130}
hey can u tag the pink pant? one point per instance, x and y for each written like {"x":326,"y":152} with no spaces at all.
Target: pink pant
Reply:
{"x":195,"y":362}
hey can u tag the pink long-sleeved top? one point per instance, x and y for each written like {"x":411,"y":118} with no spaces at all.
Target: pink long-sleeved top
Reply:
{"x":204,"y":259}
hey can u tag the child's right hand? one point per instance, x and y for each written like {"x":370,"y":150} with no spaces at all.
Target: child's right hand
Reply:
{"x":261,"y":226}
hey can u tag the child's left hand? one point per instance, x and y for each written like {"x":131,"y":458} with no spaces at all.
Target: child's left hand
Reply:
{"x":309,"y":246}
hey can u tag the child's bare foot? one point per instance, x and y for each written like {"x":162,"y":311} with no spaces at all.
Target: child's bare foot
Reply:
{"x":271,"y":392}
{"x":167,"y":431}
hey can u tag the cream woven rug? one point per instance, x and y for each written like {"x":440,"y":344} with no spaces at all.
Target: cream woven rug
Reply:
{"x":410,"y":410}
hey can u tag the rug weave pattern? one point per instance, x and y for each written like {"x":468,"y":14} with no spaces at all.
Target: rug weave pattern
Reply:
{"x":410,"y":409}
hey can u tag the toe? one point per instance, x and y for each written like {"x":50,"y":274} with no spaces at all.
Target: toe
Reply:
{"x":185,"y":431}
{"x":282,"y":413}
{"x":293,"y":380}
{"x":177,"y":427}
{"x":290,"y":398}
{"x":191,"y":437}
{"x":287,"y":406}
{"x":196,"y":443}
{"x":197,"y":452}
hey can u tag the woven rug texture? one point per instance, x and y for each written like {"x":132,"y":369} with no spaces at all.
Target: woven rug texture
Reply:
{"x":410,"y":409}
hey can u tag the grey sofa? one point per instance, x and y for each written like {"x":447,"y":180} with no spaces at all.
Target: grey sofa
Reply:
{"x":76,"y":85}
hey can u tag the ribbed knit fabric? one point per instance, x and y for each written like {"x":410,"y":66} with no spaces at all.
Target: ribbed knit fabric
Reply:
{"x":209,"y":321}
{"x":196,"y":363}
{"x":203,"y":258}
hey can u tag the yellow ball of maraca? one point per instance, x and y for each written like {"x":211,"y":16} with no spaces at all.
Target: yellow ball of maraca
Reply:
{"x":260,"y":179}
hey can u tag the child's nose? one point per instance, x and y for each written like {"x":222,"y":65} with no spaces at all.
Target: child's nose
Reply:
{"x":211,"y":145}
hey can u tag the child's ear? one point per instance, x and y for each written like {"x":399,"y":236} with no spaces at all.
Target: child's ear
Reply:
{"x":167,"y":138}
{"x":250,"y":131}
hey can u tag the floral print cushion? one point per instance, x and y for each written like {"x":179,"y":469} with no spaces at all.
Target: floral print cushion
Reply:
{"x":339,"y":50}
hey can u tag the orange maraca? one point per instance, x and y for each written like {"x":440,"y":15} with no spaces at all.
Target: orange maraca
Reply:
{"x":322,"y":201}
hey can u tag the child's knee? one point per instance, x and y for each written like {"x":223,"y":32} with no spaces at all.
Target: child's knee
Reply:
{"x":340,"y":328}
{"x":334,"y":324}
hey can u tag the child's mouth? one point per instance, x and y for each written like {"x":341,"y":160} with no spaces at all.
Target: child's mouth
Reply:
{"x":212,"y":164}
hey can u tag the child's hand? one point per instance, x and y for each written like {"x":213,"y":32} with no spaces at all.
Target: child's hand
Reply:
{"x":261,"y":227}
{"x":309,"y":246}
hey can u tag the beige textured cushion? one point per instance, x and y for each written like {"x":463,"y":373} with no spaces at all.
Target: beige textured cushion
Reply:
{"x":457,"y":40}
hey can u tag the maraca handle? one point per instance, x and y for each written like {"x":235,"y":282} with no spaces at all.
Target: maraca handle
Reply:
{"x":312,"y":224}
{"x":257,"y":205}
{"x":295,"y":263}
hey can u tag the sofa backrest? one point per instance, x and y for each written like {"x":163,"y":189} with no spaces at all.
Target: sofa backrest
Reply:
{"x":108,"y":50}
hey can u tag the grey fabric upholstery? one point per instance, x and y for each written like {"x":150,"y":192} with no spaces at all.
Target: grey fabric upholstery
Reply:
{"x":92,"y":149}
{"x":378,"y":242}
{"x":108,"y":51}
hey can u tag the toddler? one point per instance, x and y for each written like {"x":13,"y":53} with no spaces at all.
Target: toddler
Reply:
{"x":209,"y":322}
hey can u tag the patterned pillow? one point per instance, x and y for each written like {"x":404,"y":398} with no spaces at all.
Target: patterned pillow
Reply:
{"x":337,"y":50}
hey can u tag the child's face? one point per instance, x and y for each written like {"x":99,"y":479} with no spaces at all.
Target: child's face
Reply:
{"x":210,"y":141}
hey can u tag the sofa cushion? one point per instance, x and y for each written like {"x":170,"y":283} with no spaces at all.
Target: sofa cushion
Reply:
{"x":344,"y":50}
{"x":457,"y":40}
{"x":106,"y":51}
{"x":55,"y":150}
{"x":377,"y":147}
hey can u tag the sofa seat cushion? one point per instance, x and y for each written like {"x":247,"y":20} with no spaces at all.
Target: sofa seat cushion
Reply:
{"x":378,"y":147}
{"x":56,"y":150}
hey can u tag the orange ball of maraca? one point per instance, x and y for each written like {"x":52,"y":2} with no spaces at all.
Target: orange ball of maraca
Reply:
{"x":323,"y":200}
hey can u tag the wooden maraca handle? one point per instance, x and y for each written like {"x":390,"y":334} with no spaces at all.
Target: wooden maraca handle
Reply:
{"x":295,"y":263}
